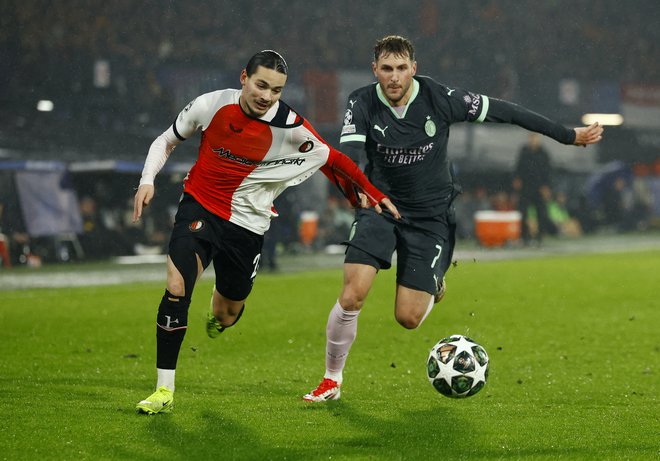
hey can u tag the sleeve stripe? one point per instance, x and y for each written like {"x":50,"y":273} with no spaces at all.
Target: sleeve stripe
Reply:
{"x":353,"y":137}
{"x":484,"y":109}
{"x":176,"y":132}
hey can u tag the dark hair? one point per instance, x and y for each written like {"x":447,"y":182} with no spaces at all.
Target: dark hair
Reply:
{"x":269,"y":59}
{"x":394,"y":44}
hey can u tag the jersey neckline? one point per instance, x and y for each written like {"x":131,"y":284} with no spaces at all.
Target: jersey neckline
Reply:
{"x":384,"y":100}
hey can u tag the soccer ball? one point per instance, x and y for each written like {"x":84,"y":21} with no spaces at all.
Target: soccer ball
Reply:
{"x":457,"y":367}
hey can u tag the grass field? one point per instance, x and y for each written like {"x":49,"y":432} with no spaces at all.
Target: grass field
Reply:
{"x":574,"y":343}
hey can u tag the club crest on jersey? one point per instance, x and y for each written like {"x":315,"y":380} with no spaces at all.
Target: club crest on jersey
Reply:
{"x":196,"y":225}
{"x":306,"y":146}
{"x":429,"y":127}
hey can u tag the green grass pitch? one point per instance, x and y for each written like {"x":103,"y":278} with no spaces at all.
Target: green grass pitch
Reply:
{"x":574,"y":343}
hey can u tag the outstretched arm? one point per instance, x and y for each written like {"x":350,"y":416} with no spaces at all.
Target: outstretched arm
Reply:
{"x":348,"y":177}
{"x":501,"y":111}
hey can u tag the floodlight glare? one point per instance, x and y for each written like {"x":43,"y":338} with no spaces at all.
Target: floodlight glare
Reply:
{"x":603,"y":119}
{"x":45,"y":105}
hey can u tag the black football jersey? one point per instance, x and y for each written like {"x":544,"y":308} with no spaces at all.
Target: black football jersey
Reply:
{"x":406,"y":155}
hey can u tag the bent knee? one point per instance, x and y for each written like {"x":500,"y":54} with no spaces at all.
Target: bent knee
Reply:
{"x":176,"y":287}
{"x":409,"y":321}
{"x":351,"y":301}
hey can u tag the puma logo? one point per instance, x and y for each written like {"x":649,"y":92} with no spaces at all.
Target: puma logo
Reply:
{"x":351,"y":102}
{"x":382,"y":130}
{"x":450,"y":91}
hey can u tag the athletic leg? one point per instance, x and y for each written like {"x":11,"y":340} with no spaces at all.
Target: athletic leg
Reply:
{"x":341,"y":329}
{"x":236,"y":264}
{"x":425,"y":251}
{"x":171,"y":326}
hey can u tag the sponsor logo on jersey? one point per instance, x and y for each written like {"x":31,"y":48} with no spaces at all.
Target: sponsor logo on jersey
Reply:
{"x":196,"y":225}
{"x":351,"y":102}
{"x":404,"y":155}
{"x":190,"y":104}
{"x":306,"y":146}
{"x":476,"y":103}
{"x":348,"y":129}
{"x":348,"y":117}
{"x":429,"y":127}
{"x":225,"y":153}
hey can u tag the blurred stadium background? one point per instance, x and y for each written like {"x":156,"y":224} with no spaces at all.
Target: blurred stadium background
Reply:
{"x":85,"y":86}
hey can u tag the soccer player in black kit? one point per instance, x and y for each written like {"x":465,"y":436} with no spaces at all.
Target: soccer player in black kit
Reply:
{"x":401,"y":125}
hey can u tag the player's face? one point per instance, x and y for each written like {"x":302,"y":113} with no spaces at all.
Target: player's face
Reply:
{"x":261,"y":90}
{"x":395,"y":76}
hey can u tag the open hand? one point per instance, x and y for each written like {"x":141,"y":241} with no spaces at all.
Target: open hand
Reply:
{"x":588,"y":135}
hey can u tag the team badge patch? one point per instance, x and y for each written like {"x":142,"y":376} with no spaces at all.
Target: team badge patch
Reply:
{"x":196,"y":225}
{"x":348,"y":117}
{"x":306,"y":146}
{"x":429,"y":127}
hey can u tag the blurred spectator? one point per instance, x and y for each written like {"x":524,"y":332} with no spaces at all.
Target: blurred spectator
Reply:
{"x":335,"y":221}
{"x":532,"y":181}
{"x":567,"y":225}
{"x":467,"y":204}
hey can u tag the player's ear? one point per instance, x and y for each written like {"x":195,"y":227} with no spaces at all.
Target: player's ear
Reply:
{"x":244,"y":77}
{"x":414,"y":67}
{"x":373,"y":68}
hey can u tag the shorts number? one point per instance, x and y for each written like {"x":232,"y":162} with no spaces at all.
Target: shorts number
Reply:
{"x":255,"y":261}
{"x":435,"y":260}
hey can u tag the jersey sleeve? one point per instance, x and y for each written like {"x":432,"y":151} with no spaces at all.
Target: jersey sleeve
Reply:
{"x":192,"y":118}
{"x":159,"y":152}
{"x":354,"y":129}
{"x":350,"y":180}
{"x":458,"y":104}
{"x":500,"y":111}
{"x":186,"y":123}
{"x":465,"y":106}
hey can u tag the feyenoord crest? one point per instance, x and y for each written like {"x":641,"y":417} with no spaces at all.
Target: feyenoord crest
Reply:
{"x":429,"y":126}
{"x":306,"y":146}
{"x":196,"y":225}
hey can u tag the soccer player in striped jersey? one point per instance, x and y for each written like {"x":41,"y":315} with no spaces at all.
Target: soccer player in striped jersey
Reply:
{"x":253,"y":146}
{"x":399,"y":126}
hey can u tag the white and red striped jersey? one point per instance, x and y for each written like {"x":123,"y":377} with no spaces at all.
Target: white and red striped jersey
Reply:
{"x":244,"y":163}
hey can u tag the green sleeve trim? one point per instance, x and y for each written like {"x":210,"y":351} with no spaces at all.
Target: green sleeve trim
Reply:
{"x":484,"y":109}
{"x":353,"y":137}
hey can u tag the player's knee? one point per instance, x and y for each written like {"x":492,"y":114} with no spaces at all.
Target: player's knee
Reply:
{"x":409,"y":322}
{"x":351,"y":302}
{"x":231,"y":318}
{"x":176,"y":286}
{"x":409,"y":318}
{"x":352,"y":299}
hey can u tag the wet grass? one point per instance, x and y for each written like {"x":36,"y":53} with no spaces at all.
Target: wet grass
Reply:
{"x":573,"y":342}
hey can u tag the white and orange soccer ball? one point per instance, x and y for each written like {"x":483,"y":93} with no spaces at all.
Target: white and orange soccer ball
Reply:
{"x":457,"y":366}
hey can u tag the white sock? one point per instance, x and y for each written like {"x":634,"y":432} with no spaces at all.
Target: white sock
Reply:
{"x":165,"y":378}
{"x":341,"y":331}
{"x":428,"y":310}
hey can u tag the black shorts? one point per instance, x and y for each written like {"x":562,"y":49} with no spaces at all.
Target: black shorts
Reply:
{"x":424,"y":247}
{"x":234,"y":250}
